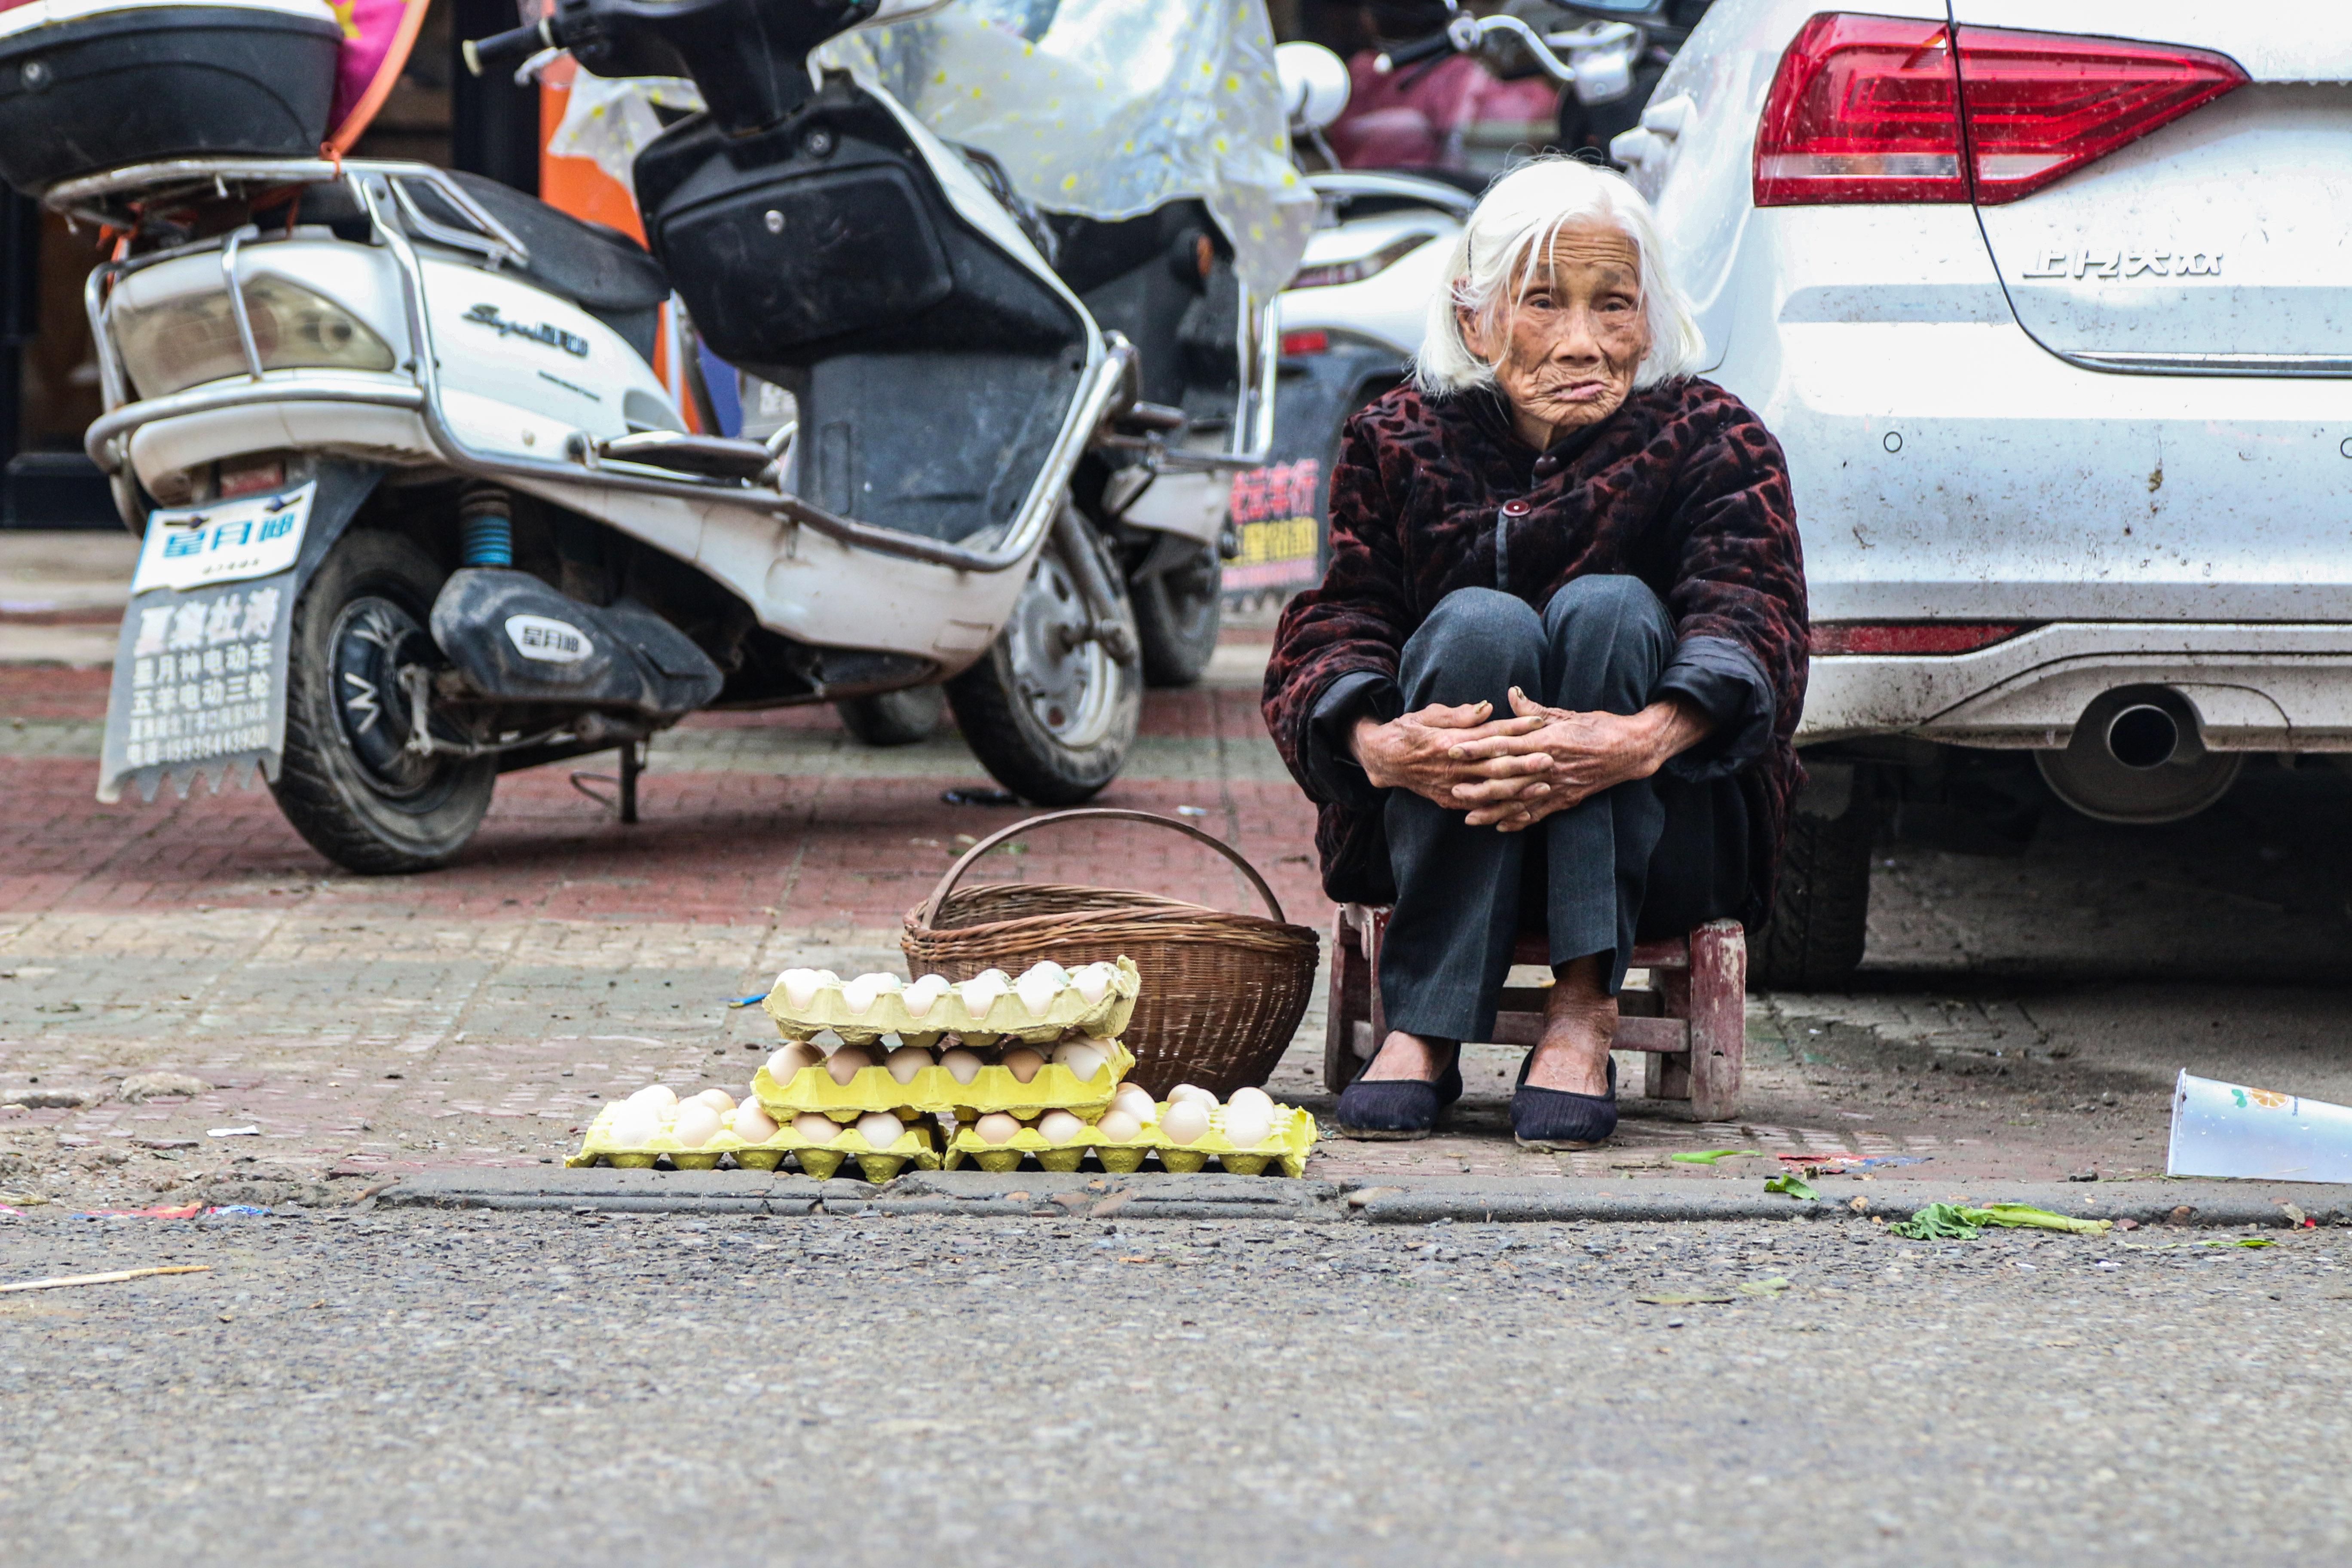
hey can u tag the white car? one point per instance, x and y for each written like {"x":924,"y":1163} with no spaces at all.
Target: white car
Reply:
{"x":2049,"y":303}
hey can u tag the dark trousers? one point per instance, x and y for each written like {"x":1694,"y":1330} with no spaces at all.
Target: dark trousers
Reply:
{"x":1650,"y":857}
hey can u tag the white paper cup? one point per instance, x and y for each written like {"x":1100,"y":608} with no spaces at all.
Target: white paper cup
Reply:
{"x":2227,"y":1130}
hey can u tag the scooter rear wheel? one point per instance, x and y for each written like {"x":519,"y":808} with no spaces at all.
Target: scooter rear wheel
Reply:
{"x":1178,"y":613}
{"x":347,"y":780}
{"x":1049,"y":710}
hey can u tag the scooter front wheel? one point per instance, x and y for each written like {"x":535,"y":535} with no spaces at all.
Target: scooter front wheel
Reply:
{"x":348,"y":779}
{"x":1051,"y":710}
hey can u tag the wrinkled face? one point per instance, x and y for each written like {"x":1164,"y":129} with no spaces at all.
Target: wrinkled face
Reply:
{"x":1567,"y":336}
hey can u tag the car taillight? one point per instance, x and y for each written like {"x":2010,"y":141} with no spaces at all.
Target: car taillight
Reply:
{"x":2041,"y":105}
{"x":1910,"y":637}
{"x":1870,"y":109}
{"x":1863,"y":109}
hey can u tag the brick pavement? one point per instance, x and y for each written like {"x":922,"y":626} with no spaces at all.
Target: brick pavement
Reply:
{"x":479,"y":1015}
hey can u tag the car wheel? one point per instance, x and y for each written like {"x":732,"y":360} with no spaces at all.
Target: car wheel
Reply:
{"x":1049,"y":710}
{"x":1178,"y":612}
{"x":894,"y":718}
{"x":1821,"y":902}
{"x":347,"y":779}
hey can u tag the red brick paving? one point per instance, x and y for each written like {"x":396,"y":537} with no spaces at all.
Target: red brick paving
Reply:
{"x":712,"y":847}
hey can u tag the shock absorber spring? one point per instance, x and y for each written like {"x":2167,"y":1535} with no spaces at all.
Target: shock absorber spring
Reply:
{"x":485,"y":528}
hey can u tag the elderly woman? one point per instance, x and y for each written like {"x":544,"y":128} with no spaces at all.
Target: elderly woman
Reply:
{"x":1550,"y":678}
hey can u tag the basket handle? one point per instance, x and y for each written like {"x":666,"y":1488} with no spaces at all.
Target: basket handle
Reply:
{"x":947,"y":883}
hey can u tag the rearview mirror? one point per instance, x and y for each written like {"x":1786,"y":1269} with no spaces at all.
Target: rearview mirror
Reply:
{"x":1313,"y":85}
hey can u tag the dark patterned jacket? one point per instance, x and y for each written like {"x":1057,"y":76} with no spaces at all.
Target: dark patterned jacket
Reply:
{"x":1682,"y":488}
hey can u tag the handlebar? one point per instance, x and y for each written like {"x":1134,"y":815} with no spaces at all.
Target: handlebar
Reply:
{"x":1470,"y":34}
{"x":511,"y":47}
{"x":1415,"y":53}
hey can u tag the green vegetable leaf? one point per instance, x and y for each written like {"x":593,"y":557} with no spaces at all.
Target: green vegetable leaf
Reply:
{"x":1936,"y":1222}
{"x":1682,"y":1298}
{"x":1950,"y":1222}
{"x":1709,"y":1156}
{"x":2033,"y":1218}
{"x":2245,"y":1241}
{"x":1772,"y":1286}
{"x":1788,"y":1181}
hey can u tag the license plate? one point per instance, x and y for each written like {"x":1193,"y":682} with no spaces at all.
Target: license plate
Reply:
{"x":196,"y":546}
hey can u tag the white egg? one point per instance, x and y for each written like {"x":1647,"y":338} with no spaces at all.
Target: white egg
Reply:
{"x":800,"y":986}
{"x":962,"y":1065}
{"x":907,"y":1061}
{"x":1094,"y":982}
{"x":718,"y":1100}
{"x":919,"y":997}
{"x":860,"y":995}
{"x":1023,"y":1063}
{"x":1248,"y":1096}
{"x":660,"y":1096}
{"x":847,"y":1063}
{"x":880,"y":1128}
{"x":1083,"y":1060}
{"x":1036,"y":993}
{"x":1184,"y":1120}
{"x":996,"y":1127}
{"x":1137,"y":1101}
{"x":1050,"y":970}
{"x":696,"y":1124}
{"x":787,"y":1063}
{"x":1061,"y":1127}
{"x":981,"y":990}
{"x":752,"y":1124}
{"x":633,"y":1125}
{"x":812,"y":1128}
{"x":1184,"y":1092}
{"x":1118,"y":1126}
{"x":1248,"y":1125}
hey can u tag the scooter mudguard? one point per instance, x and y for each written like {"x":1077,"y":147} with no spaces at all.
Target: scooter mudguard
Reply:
{"x":200,"y":668}
{"x":1279,"y":511}
{"x":514,"y":638}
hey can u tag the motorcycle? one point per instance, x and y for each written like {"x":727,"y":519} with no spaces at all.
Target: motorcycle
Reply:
{"x":417,"y":508}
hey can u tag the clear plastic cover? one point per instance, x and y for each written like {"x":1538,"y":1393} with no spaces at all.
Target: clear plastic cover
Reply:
{"x":1107,"y":108}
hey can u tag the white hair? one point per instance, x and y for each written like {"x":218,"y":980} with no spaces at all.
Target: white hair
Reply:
{"x":1517,"y":219}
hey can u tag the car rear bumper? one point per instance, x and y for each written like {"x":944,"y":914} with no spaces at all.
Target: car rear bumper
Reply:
{"x":2254,"y":688}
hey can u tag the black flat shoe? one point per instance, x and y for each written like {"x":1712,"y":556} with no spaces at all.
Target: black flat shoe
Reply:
{"x":1396,"y":1109}
{"x":1551,"y":1119}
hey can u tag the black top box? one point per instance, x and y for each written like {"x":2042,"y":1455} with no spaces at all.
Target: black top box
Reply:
{"x":89,"y":85}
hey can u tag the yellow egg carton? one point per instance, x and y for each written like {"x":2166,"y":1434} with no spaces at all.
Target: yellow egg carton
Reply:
{"x":918,"y":1146}
{"x":1003,"y":1016}
{"x":1285,"y":1150}
{"x":934,"y":1090}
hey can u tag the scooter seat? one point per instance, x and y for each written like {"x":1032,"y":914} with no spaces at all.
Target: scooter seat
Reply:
{"x":597,"y":268}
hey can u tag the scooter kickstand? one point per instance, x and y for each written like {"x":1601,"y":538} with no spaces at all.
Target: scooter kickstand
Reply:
{"x":623,"y":802}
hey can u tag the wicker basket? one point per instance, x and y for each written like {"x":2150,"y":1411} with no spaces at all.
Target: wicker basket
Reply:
{"x":1223,"y":994}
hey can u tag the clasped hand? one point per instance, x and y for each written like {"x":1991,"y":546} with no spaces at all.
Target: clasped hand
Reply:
{"x":1512,"y":772}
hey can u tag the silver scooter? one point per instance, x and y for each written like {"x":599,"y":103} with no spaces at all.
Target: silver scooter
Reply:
{"x":417,"y":508}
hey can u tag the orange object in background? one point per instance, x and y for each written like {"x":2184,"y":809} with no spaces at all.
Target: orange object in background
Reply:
{"x":576,"y":186}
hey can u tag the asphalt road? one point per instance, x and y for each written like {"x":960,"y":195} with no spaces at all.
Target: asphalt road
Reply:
{"x":469,"y":1388}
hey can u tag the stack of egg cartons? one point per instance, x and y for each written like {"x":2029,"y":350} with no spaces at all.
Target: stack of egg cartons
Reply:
{"x":877,"y":1065}
{"x":991,"y":1069}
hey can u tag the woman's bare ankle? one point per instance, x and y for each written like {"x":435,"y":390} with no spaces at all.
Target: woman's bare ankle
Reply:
{"x":1409,"y":1056}
{"x":1579,"y":1022}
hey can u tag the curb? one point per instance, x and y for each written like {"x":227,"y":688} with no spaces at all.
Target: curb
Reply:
{"x":1411,"y":1201}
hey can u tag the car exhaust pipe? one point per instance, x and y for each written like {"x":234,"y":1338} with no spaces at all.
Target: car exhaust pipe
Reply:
{"x":2138,"y":755}
{"x":2143,"y":736}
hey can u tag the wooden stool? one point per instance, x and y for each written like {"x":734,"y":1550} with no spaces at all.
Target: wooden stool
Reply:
{"x":1692,"y":1019}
